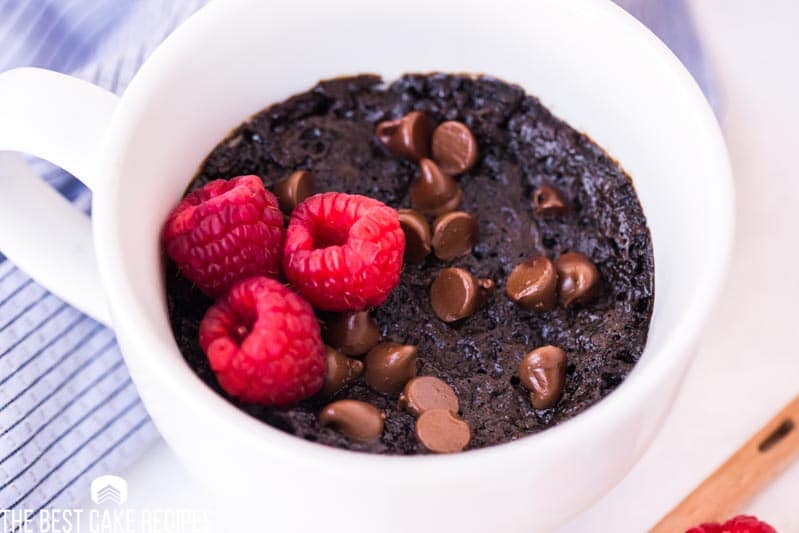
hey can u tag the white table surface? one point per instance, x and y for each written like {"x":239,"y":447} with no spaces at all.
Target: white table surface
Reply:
{"x":748,"y":363}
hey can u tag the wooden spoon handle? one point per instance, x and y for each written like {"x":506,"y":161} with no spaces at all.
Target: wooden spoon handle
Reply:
{"x":726,"y":490}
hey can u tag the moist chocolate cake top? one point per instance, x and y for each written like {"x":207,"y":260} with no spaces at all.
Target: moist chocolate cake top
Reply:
{"x":330,"y":131}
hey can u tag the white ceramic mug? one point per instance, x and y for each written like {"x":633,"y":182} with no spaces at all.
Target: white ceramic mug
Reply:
{"x":588,"y":61}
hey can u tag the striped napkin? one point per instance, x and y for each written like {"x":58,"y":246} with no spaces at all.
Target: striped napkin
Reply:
{"x":68,"y":409}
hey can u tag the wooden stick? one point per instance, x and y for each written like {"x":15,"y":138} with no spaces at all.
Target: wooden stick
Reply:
{"x":766,"y":455}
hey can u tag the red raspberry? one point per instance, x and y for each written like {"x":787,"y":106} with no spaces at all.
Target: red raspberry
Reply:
{"x":226,"y":231}
{"x":739,"y":524}
{"x":343,"y":251}
{"x":264,"y":343}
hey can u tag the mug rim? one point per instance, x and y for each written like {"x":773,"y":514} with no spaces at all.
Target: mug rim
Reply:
{"x":257,"y":433}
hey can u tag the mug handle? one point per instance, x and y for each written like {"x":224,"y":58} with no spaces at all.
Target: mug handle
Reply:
{"x":63,"y":120}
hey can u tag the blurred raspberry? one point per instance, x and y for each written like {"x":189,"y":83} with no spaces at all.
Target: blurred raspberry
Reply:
{"x":739,"y":524}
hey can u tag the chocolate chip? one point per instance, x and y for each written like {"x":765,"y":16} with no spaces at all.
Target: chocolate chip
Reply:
{"x":456,"y":294}
{"x":425,"y":393}
{"x":454,"y":147}
{"x":417,"y":235}
{"x":579,"y":279}
{"x":440,"y":431}
{"x":548,"y":202}
{"x":407,"y":137}
{"x":389,"y":366}
{"x":339,"y":370}
{"x":543,"y":373}
{"x":357,"y":420}
{"x":454,"y":235}
{"x":354,"y":333}
{"x":433,"y":192}
{"x":534,"y":284}
{"x":293,"y":190}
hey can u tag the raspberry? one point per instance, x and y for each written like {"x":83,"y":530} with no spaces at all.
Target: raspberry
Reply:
{"x":739,"y":524}
{"x":343,"y":251}
{"x":264,"y":343}
{"x":226,"y":231}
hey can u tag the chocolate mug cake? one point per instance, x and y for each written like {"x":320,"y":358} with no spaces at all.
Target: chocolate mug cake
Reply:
{"x":511,"y":288}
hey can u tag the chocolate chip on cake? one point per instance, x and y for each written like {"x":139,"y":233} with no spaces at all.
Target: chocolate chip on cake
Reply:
{"x":417,"y":235}
{"x":534,"y":284}
{"x":580,"y":281}
{"x":456,"y":294}
{"x":357,"y":420}
{"x":440,"y":431}
{"x":549,"y":202}
{"x":354,"y":333}
{"x":424,"y":393}
{"x":389,"y":366}
{"x":407,"y":137}
{"x":454,"y":235}
{"x":543,"y":373}
{"x":454,"y":147}
{"x":434,"y":192}
{"x":293,"y":190}
{"x":339,"y":370}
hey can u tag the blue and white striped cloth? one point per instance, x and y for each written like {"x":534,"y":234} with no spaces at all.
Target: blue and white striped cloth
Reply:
{"x":68,"y":409}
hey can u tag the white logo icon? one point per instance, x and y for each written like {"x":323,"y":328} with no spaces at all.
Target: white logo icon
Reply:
{"x":112,"y":489}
